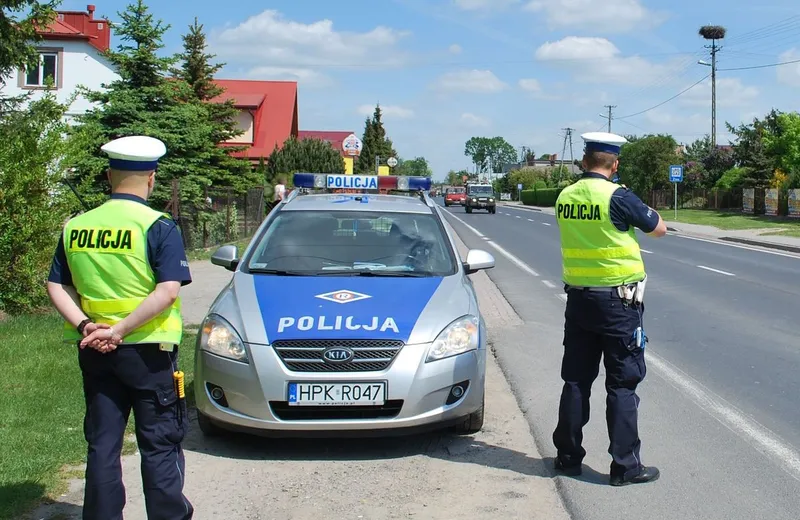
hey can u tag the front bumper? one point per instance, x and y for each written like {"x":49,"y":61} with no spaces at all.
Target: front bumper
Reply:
{"x":255,"y":394}
{"x":481,"y":204}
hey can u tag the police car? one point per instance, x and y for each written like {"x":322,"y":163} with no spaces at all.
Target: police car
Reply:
{"x":349,"y":311}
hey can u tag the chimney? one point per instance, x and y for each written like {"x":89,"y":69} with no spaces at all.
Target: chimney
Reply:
{"x":91,"y":9}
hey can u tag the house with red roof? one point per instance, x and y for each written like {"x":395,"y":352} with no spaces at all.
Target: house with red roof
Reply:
{"x":268,"y":114}
{"x":70,"y":54}
{"x":333,"y":138}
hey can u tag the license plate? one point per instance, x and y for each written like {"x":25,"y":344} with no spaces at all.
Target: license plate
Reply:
{"x":337,"y":394}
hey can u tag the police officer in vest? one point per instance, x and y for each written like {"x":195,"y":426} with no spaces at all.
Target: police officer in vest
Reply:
{"x":115,"y":279}
{"x":604,"y":280}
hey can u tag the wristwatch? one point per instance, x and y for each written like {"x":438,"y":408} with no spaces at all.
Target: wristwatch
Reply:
{"x":82,"y":325}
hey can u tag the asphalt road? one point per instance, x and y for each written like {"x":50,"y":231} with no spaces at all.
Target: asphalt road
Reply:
{"x":719,"y":413}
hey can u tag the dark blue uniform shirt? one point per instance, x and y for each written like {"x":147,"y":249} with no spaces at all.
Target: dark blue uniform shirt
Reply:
{"x":164,"y":252}
{"x":627,"y":209}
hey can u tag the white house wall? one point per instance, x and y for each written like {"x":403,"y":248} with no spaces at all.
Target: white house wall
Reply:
{"x":80,"y":64}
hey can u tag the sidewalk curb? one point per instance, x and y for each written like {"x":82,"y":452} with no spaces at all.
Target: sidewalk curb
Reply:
{"x":768,"y":245}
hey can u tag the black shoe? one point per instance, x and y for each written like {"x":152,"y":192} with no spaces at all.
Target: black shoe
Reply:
{"x":570,"y":471}
{"x":647,"y":474}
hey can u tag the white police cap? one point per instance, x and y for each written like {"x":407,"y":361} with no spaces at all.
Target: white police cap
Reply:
{"x":138,"y":153}
{"x":603,"y":142}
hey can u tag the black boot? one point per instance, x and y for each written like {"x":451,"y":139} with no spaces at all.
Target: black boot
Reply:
{"x":647,"y":474}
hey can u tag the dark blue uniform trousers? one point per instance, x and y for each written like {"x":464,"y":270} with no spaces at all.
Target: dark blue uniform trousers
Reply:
{"x":138,"y":378}
{"x":598,"y":324}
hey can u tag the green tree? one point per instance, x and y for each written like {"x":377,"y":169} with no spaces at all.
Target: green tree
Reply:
{"x":645,"y":161}
{"x":375,"y":144}
{"x":146,"y":101}
{"x":698,"y":149}
{"x":308,"y":155}
{"x":784,"y":146}
{"x":749,"y":149}
{"x":489,"y":153}
{"x":196,"y":68}
{"x":417,"y":167}
{"x":33,"y":202}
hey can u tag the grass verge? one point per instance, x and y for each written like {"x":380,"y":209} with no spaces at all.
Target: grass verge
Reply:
{"x":41,"y":411}
{"x":733,"y":220}
{"x":205,"y":253}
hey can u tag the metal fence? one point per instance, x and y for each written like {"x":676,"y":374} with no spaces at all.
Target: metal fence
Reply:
{"x":699,"y":199}
{"x":223,"y":216}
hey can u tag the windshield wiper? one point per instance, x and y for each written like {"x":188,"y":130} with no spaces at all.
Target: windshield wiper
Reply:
{"x":282,"y":272}
{"x":394,"y":274}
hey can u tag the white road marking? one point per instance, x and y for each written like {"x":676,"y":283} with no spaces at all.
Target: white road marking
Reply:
{"x":645,"y":251}
{"x":740,"y":246}
{"x":545,"y":224}
{"x":518,"y":216}
{"x":766,"y":441}
{"x":468,"y":226}
{"x":530,"y":220}
{"x":519,"y":263}
{"x":763,"y":439}
{"x":715,"y":270}
{"x":549,"y":284}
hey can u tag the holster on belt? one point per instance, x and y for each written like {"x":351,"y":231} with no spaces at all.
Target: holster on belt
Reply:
{"x":632,"y":293}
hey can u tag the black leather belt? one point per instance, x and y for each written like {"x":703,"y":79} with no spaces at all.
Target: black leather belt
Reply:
{"x":590,"y":289}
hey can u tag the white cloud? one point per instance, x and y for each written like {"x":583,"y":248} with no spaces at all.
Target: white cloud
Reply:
{"x":304,"y":76}
{"x":387,"y":110}
{"x":483,"y":5}
{"x":474,"y":121}
{"x":476,"y":81}
{"x":789,"y":74}
{"x":531,"y":85}
{"x":610,"y":16}
{"x":731,"y":92}
{"x":597,"y":60}
{"x":268,"y":40}
{"x":455,"y":49}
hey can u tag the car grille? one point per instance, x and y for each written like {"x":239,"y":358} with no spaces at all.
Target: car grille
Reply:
{"x":306,"y":355}
{"x":283,"y":411}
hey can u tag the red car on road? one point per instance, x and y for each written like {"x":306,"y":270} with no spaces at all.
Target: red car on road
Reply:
{"x":455,"y":196}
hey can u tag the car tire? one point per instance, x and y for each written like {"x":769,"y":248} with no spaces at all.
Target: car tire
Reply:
{"x":468,"y":209}
{"x":473,"y":423}
{"x":207,"y":427}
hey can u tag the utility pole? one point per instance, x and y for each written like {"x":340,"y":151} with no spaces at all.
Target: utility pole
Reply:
{"x":567,"y":138}
{"x":609,"y":117}
{"x":713,"y":33}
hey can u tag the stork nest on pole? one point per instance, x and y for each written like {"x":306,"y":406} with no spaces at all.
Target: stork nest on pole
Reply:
{"x":712,"y":32}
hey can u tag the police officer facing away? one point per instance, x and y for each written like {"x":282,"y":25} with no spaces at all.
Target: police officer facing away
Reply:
{"x":604,"y":279}
{"x":115,"y":279}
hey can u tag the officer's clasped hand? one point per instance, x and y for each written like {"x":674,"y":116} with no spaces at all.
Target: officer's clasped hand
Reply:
{"x":101,"y":337}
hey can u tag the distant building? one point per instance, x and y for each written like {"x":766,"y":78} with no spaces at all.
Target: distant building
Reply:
{"x":267,"y":114}
{"x":69,"y":55}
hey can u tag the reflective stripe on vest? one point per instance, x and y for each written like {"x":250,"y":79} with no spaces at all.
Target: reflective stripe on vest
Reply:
{"x":594,"y":252}
{"x":106,"y":251}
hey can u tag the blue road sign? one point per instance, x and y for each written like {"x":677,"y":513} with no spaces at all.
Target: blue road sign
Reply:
{"x":519,"y":187}
{"x":676,"y":173}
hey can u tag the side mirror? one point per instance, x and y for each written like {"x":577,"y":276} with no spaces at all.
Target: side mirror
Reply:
{"x":227,"y":257}
{"x":478,"y":260}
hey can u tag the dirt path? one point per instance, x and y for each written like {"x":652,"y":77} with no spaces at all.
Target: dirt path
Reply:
{"x":495,"y":474}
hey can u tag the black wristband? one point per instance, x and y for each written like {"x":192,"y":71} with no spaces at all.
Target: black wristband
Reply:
{"x":82,"y":325}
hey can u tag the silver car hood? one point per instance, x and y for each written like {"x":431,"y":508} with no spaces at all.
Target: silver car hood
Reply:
{"x":266,"y":308}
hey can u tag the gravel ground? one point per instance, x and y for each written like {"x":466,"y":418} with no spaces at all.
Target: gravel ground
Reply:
{"x":497,"y":473}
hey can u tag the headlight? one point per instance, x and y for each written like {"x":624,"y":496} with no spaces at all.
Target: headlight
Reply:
{"x":491,"y":200}
{"x":219,"y":337}
{"x":458,"y":337}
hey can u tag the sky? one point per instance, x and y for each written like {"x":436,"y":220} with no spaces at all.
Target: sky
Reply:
{"x":446,"y":70}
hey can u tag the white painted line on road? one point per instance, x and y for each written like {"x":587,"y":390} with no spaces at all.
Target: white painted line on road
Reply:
{"x":545,"y":224}
{"x":486,"y":238}
{"x":530,"y":220}
{"x":645,"y":251}
{"x":740,"y":246}
{"x":549,"y":284}
{"x":715,"y":270}
{"x":518,"y":216}
{"x":562,"y":296}
{"x":766,"y":441}
{"x":519,"y":263}
{"x":468,"y":226}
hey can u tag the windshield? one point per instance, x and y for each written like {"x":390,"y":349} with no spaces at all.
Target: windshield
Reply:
{"x":320,"y":243}
{"x":455,"y":191}
{"x":480,"y":190}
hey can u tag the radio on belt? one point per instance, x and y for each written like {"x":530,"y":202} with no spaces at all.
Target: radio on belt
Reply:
{"x":361,"y":182}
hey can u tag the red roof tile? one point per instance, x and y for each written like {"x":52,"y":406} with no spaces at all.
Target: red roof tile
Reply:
{"x":274,"y":104}
{"x":79,"y":25}
{"x":334,"y":138}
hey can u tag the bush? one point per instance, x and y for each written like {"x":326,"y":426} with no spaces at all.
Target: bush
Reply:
{"x":34,"y":203}
{"x":732,"y":178}
{"x":214,"y":226}
{"x":545,"y":197}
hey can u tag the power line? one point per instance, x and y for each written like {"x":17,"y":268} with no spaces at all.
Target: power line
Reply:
{"x":764,"y":66}
{"x":668,"y":100}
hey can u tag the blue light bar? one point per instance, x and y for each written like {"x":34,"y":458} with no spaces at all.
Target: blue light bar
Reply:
{"x":361,"y":183}
{"x":419,"y":183}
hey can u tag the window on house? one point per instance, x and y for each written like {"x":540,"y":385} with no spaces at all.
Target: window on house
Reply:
{"x":46,"y":71}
